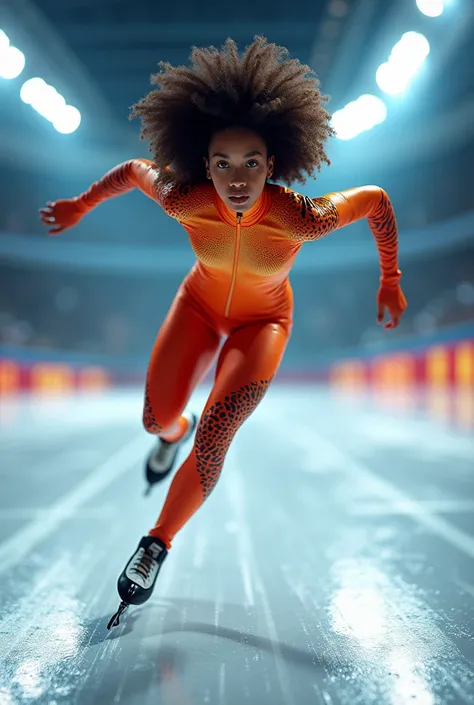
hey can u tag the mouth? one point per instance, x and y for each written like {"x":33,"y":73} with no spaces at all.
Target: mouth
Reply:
{"x":238,"y":199}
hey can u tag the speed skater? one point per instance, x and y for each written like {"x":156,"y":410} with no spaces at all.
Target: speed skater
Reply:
{"x":222,"y":133}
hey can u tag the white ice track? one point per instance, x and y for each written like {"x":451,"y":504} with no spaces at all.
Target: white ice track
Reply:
{"x":333,"y":563}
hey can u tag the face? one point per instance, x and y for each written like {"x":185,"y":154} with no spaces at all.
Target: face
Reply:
{"x":239,"y":166}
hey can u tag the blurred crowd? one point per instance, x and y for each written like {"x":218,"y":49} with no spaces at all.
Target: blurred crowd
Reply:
{"x":91,"y":313}
{"x":119,"y":315}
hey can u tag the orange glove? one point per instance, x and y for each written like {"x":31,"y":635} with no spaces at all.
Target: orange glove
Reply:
{"x":390,"y":296}
{"x":62,"y":214}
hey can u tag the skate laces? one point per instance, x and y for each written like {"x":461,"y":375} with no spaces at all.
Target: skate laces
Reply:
{"x":143,"y":563}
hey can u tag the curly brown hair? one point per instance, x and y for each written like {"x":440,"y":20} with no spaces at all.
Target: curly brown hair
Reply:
{"x":262,"y":90}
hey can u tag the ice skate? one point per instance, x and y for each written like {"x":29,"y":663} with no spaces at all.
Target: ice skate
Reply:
{"x":137,"y":580}
{"x":162,"y":459}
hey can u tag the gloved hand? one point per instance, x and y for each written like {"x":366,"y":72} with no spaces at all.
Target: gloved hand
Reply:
{"x":391,"y":297}
{"x":62,"y":214}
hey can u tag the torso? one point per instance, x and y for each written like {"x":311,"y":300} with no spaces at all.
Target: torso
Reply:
{"x":242,"y":270}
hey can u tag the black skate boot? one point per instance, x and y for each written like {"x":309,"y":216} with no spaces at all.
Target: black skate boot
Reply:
{"x":137,"y":580}
{"x":162,"y":459}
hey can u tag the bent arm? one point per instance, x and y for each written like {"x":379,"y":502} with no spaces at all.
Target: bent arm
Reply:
{"x":373,"y":203}
{"x":134,"y":173}
{"x":320,"y":216}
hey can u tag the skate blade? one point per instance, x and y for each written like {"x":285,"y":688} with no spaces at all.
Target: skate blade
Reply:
{"x":115,"y":619}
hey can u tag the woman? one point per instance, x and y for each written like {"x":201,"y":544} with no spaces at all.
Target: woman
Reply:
{"x":219,"y":131}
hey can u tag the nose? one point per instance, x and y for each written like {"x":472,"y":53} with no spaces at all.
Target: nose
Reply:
{"x":237,"y":181}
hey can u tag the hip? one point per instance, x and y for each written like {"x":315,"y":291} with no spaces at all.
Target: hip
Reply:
{"x":250,"y":301}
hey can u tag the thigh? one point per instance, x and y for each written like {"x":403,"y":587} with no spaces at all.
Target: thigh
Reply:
{"x":251,"y":354}
{"x":184,"y":349}
{"x":247,"y":364}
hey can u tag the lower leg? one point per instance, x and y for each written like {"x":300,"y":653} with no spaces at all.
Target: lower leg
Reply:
{"x":183,"y":500}
{"x":198,"y":475}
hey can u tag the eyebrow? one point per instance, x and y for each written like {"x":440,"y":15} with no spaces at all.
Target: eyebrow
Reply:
{"x":249,"y":154}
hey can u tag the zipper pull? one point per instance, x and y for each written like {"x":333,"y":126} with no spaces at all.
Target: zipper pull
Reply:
{"x":239,"y":217}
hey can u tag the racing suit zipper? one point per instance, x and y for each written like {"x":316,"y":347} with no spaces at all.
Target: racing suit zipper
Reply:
{"x":234,"y":265}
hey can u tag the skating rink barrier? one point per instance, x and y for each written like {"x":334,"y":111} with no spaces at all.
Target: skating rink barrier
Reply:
{"x":440,"y":366}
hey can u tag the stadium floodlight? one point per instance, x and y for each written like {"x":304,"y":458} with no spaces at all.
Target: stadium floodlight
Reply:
{"x":405,"y":61}
{"x":391,"y":81}
{"x":68,"y":120}
{"x":359,"y":116}
{"x":51,"y":105}
{"x":12,"y":63}
{"x":12,"y":60}
{"x":42,"y":97}
{"x":412,"y":47}
{"x":31,"y":90}
{"x":431,"y":8}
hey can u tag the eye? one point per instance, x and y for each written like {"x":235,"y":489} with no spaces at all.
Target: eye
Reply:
{"x":252,"y":163}
{"x":221,"y":165}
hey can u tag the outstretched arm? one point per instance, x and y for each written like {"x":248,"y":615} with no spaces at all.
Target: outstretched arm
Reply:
{"x":134,"y":173}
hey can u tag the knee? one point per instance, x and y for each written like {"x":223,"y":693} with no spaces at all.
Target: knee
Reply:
{"x":221,"y":420}
{"x":213,"y":435}
{"x":150,"y":424}
{"x":156,"y":419}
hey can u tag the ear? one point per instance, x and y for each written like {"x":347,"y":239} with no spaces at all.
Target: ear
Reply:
{"x":270,"y":167}
{"x":208,"y":173}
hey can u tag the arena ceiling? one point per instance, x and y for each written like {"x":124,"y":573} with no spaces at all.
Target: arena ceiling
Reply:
{"x":102,"y":53}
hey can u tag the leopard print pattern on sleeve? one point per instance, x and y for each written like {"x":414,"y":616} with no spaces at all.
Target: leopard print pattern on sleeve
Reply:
{"x":304,"y":218}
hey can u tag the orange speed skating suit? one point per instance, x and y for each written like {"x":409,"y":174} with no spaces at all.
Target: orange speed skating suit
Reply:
{"x":237,"y":289}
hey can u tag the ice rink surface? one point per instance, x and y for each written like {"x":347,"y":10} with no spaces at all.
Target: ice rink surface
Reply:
{"x":333,"y":563}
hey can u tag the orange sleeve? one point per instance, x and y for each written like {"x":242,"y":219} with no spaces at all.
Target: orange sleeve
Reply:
{"x":323,"y":215}
{"x":373,"y":203}
{"x":134,"y":173}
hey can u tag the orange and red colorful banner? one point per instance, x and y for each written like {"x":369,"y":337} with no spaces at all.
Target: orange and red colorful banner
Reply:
{"x":50,"y":377}
{"x":449,"y":365}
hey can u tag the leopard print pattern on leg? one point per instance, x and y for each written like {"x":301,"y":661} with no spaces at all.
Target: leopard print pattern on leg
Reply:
{"x":218,"y":426}
{"x":149,"y":420}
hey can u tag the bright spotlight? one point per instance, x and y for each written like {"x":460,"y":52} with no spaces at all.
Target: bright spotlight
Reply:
{"x":31,"y":90}
{"x":12,"y":63}
{"x":46,"y":100}
{"x":68,"y":120}
{"x":414,"y":44}
{"x":359,"y":116}
{"x":345,"y":128}
{"x":405,"y":61}
{"x":431,"y":8}
{"x":49,"y":103}
{"x":391,"y":81}
{"x":373,"y":108}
